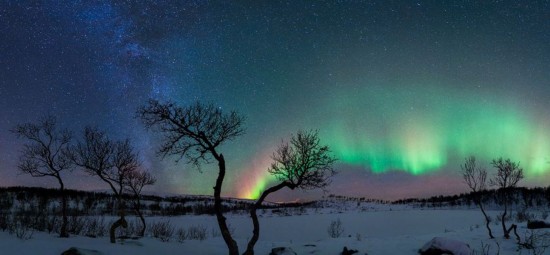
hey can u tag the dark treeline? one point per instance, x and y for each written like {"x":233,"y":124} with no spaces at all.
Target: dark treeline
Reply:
{"x":100,"y":203}
{"x":522,"y":197}
{"x":89,"y":203}
{"x":357,"y":199}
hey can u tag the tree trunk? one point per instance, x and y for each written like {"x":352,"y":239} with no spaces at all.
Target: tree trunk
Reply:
{"x":229,"y":241}
{"x":487,"y":223}
{"x":63,"y":232}
{"x":140,"y":215}
{"x":513,"y":227}
{"x":119,"y":223}
{"x":254,"y":216}
{"x":503,"y":219}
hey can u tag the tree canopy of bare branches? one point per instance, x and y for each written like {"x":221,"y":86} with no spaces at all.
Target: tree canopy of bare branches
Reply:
{"x":195,"y":132}
{"x":46,"y":153}
{"x":476,"y":179}
{"x":302,"y":163}
{"x":508,"y":174}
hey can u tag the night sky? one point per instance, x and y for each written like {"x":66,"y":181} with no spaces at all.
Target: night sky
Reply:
{"x":402,"y":91}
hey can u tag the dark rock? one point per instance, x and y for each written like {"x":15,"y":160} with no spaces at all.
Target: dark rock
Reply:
{"x":79,"y":251}
{"x":537,"y":224}
{"x":348,"y":252}
{"x":436,"y":251}
{"x":282,"y":251}
{"x":441,"y":246}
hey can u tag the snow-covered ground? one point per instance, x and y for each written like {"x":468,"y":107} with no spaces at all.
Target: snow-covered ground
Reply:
{"x":373,"y":232}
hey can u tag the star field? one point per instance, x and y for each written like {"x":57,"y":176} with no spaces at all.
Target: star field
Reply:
{"x":401,"y":91}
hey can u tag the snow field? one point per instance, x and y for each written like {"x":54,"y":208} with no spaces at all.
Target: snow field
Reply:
{"x":372,"y":232}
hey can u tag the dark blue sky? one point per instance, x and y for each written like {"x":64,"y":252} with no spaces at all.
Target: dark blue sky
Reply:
{"x":382,"y":80}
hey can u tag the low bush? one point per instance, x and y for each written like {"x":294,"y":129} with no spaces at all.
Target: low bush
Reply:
{"x":196,"y":232}
{"x":162,"y":230}
{"x":335,"y":229}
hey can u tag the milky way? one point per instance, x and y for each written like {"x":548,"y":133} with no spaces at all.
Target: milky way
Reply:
{"x":401,"y":92}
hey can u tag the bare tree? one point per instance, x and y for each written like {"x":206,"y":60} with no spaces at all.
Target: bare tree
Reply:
{"x":196,"y":132}
{"x":135,"y":181}
{"x":303,"y":163}
{"x":112,"y":162}
{"x":506,"y":178}
{"x":46,"y":154}
{"x":476,"y":179}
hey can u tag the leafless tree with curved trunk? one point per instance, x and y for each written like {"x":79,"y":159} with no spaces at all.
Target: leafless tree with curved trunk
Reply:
{"x":508,"y":175}
{"x":46,"y":154}
{"x":303,"y":163}
{"x":195,"y":132}
{"x":476,"y":179}
{"x":112,"y":162}
{"x":135,"y":181}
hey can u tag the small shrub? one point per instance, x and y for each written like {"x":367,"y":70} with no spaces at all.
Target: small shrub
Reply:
{"x":335,"y":229}
{"x":21,"y":231}
{"x":215,"y":232}
{"x":181,"y":235}
{"x":231,"y":229}
{"x":486,"y":248}
{"x":537,"y":242}
{"x":40,"y":221}
{"x":94,"y":227}
{"x":162,"y":230}
{"x":544,"y":215}
{"x":523,"y":216}
{"x":131,"y":230}
{"x":5,"y":221}
{"x":53,"y":225}
{"x":75,"y":225}
{"x":196,"y":232}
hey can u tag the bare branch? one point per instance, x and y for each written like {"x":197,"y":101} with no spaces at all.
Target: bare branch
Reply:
{"x":508,"y":173}
{"x":475,"y":177}
{"x":95,"y":154}
{"x":46,"y":152}
{"x":303,"y":163}
{"x":193,"y":132}
{"x":137,"y":180}
{"x":110,"y":160}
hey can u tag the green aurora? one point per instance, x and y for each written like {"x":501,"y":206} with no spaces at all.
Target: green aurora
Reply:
{"x":421,"y":130}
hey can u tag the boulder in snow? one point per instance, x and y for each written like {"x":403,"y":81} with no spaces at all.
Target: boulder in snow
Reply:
{"x":537,"y":224}
{"x":282,"y":251}
{"x":441,"y":245}
{"x":80,"y":251}
{"x":348,"y":252}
